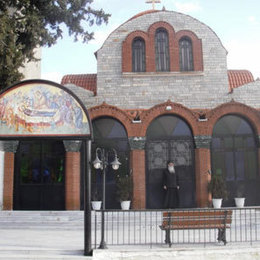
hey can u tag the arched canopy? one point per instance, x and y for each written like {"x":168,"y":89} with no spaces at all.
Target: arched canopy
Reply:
{"x":40,"y":108}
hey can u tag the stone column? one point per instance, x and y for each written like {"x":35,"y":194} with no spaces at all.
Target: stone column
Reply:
{"x":9,"y":147}
{"x":72,"y":174}
{"x":1,"y":178}
{"x":137,"y":164}
{"x":259,"y":155}
{"x":202,"y":169}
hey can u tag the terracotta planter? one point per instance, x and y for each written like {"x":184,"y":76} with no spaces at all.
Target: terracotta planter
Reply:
{"x":125,"y":205}
{"x":217,"y":203}
{"x":96,"y":205}
{"x":240,"y":202}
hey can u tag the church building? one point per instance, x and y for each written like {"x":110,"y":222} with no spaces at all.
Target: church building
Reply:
{"x":162,"y":92}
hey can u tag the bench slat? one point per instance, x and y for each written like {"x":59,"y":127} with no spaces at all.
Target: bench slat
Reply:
{"x":196,"y":219}
{"x":181,"y":222}
{"x":197,"y":213}
{"x":166,"y":227}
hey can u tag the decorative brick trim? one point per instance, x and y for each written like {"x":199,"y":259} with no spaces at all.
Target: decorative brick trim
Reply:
{"x":235,"y":108}
{"x":175,"y":109}
{"x":115,"y":112}
{"x":149,"y":38}
{"x":196,"y":48}
{"x":127,"y":50}
{"x":171,"y":34}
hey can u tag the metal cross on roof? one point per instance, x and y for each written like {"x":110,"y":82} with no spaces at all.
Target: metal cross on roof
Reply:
{"x":153,"y":2}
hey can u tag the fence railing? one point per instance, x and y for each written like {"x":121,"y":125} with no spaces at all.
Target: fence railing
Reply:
{"x":143,"y":227}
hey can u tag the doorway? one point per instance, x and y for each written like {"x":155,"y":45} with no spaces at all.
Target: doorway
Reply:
{"x":169,"y":138}
{"x":39,"y":176}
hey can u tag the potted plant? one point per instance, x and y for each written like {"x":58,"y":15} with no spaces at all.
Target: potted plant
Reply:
{"x":124,"y":185}
{"x":217,"y":187}
{"x":240,"y":197}
{"x":95,"y":199}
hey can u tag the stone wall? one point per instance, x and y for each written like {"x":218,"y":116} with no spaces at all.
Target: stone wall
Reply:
{"x":1,"y":178}
{"x":207,"y":88}
{"x":248,"y":94}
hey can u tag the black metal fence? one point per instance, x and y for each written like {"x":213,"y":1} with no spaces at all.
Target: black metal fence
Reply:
{"x":144,"y":227}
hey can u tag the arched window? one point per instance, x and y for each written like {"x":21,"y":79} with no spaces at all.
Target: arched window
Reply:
{"x":138,"y":55}
{"x":234,"y":155}
{"x":169,"y":137}
{"x":162,"y":50}
{"x":186,"y":56}
{"x":110,"y":133}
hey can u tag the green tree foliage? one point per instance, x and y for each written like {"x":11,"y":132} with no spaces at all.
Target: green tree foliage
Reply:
{"x":27,"y":24}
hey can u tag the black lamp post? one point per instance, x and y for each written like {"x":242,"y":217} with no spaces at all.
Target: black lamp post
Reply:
{"x":102,"y":164}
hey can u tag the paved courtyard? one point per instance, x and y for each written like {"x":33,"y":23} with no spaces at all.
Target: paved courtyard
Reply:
{"x":62,"y":237}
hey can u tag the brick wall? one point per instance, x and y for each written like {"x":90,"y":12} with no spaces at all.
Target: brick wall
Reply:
{"x":203,"y":166}
{"x":173,"y":48}
{"x":72,"y":184}
{"x":137,"y":160}
{"x":8,"y":181}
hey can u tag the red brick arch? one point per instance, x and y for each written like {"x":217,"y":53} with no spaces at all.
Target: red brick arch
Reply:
{"x":127,"y":49}
{"x":196,"y":48}
{"x":176,"y":109}
{"x":171,"y":34}
{"x":235,"y":108}
{"x":149,"y":38}
{"x":105,"y":110}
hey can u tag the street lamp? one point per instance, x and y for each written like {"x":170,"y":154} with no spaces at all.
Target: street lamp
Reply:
{"x":102,"y":163}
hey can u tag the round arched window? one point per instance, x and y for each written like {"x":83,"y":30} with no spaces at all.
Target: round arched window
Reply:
{"x":234,"y":155}
{"x":109,"y":133}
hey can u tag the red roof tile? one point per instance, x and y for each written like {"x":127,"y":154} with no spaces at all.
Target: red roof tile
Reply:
{"x":238,"y":78}
{"x":89,"y":81}
{"x":86,"y":81}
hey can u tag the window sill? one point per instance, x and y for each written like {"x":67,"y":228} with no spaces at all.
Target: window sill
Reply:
{"x":162,"y":74}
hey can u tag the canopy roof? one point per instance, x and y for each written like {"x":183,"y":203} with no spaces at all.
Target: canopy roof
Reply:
{"x":37,"y":108}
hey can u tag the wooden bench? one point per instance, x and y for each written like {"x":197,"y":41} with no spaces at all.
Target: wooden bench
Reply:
{"x":197,"y":219}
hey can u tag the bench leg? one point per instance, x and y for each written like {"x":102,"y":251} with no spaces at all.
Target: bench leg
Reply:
{"x":168,"y":237}
{"x":222,"y":235}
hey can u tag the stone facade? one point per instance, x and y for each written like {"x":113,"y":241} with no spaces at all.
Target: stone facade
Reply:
{"x":201,"y":97}
{"x":197,"y":89}
{"x":248,"y":94}
{"x":135,"y":99}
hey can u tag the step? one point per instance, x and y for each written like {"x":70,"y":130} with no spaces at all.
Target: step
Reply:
{"x":40,"y":253}
{"x":41,"y":219}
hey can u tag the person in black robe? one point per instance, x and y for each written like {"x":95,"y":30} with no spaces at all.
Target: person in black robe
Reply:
{"x":171,"y":186}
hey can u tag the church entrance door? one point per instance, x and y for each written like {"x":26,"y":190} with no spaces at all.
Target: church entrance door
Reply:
{"x":169,"y":138}
{"x":39,"y":176}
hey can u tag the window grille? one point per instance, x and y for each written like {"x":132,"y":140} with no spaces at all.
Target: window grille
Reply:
{"x":162,"y":50}
{"x":186,"y":55}
{"x":138,"y":55}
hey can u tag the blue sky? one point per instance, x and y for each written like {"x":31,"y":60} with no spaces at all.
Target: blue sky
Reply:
{"x":236,"y":22}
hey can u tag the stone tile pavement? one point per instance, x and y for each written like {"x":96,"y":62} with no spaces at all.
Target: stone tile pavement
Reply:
{"x":32,"y":237}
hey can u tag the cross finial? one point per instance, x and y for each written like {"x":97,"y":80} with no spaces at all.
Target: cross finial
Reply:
{"x":153,"y":2}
